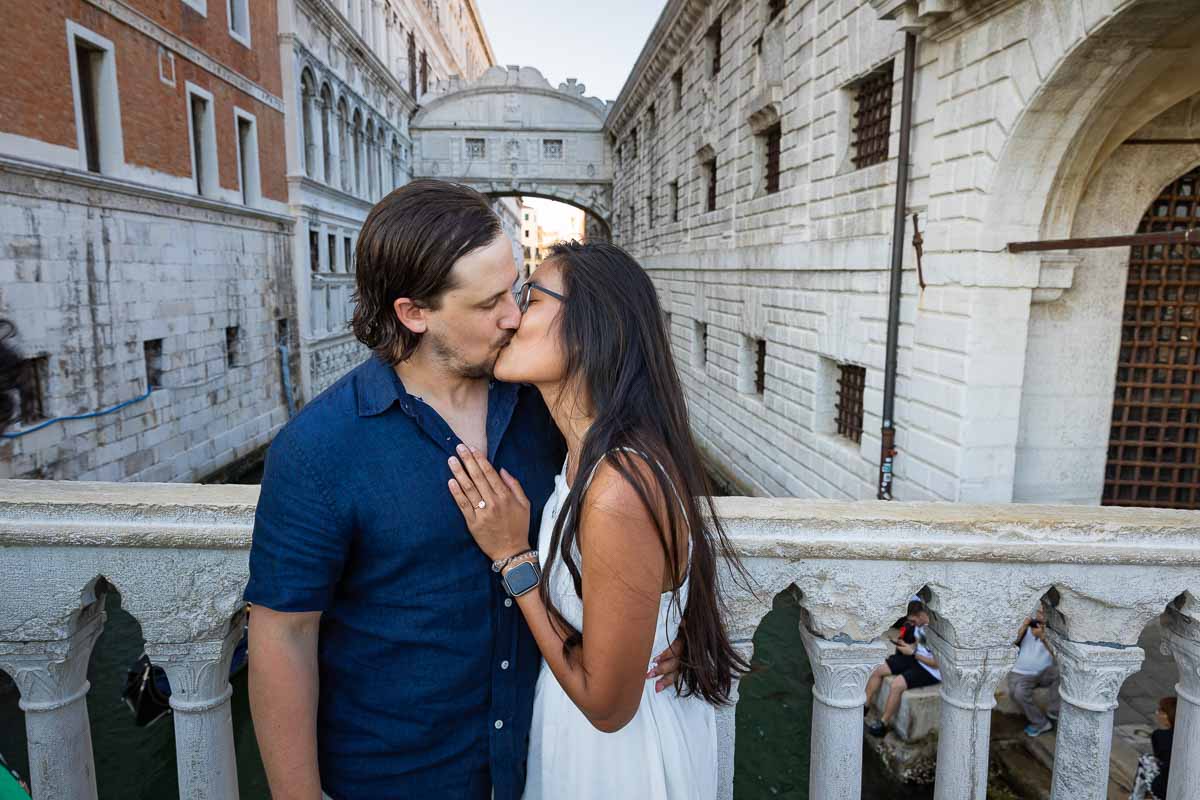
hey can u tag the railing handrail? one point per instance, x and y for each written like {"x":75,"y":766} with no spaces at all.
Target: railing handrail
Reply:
{"x":173,"y":515}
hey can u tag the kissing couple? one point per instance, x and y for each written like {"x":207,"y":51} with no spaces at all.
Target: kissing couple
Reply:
{"x":485,"y":561}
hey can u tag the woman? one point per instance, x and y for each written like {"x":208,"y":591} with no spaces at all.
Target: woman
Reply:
{"x":629,"y":559}
{"x":1154,"y":768}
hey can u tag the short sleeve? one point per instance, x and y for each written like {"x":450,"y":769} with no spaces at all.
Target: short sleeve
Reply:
{"x":300,"y":541}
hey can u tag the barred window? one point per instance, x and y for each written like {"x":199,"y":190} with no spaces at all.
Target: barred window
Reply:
{"x":650,"y":211}
{"x":851,"y":381}
{"x":674,"y":191}
{"x":872,"y":117}
{"x":760,"y":370}
{"x":772,"y":142}
{"x":710,"y":176}
{"x":476,"y":148}
{"x":677,"y":88}
{"x":552,"y":149}
{"x":633,"y":144}
{"x":31,"y":389}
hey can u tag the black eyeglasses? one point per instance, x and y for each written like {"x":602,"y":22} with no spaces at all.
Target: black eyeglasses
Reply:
{"x":523,"y":292}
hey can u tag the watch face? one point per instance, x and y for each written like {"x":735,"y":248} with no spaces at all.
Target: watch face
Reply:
{"x":521,"y":578}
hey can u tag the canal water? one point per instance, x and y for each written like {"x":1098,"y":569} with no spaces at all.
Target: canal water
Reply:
{"x":773,"y":720}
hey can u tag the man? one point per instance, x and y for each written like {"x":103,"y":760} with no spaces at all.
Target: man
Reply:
{"x":913,"y":664}
{"x":386,"y":659}
{"x":1034,"y":669}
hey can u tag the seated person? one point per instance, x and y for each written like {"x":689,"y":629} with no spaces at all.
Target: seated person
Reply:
{"x":913,"y":665}
{"x":1150,"y":783}
{"x":1034,"y":668}
{"x":10,"y":373}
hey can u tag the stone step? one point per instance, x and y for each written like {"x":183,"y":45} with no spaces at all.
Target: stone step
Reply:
{"x":1028,"y":777}
{"x":1040,"y":750}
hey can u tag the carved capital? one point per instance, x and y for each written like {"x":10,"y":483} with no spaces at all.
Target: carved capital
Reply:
{"x":53,"y":674}
{"x":1092,"y":674}
{"x":1183,"y":638}
{"x":198,"y":671}
{"x":970,"y":675}
{"x":840,"y":669}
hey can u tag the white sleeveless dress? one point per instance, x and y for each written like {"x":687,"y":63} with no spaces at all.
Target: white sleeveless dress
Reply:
{"x":668,"y":751}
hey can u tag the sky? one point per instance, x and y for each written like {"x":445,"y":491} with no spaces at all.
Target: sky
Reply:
{"x":596,"y":42}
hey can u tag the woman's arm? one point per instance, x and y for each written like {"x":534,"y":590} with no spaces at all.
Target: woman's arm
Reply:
{"x":623,"y":575}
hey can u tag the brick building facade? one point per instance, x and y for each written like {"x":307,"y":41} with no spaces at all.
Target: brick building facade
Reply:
{"x":144,"y":235}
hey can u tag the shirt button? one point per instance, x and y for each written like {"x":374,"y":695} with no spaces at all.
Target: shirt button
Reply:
{"x":503,"y":665}
{"x":499,"y":724}
{"x":508,"y":602}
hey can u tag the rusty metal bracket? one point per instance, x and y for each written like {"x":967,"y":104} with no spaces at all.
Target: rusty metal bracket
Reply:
{"x":918,"y":245}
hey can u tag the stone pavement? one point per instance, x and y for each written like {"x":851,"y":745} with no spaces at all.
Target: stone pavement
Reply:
{"x":1157,"y":678}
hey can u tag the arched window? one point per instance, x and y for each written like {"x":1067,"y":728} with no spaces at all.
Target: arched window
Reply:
{"x":326,"y":126}
{"x":370,"y":183}
{"x":307,"y":94}
{"x":359,"y":175}
{"x":344,"y":142}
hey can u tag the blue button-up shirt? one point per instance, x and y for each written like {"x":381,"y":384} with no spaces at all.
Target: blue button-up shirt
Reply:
{"x":427,"y":673}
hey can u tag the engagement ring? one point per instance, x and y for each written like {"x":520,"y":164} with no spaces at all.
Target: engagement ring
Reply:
{"x":483,"y":504}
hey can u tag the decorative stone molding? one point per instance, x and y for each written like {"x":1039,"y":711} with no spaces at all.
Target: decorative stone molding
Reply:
{"x":764,"y":107}
{"x":52,"y":680}
{"x":1091,"y":675}
{"x":1183,"y":638}
{"x":970,"y":675}
{"x":840,"y":669}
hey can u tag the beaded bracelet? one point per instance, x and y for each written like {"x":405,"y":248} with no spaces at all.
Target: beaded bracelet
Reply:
{"x":501,"y":563}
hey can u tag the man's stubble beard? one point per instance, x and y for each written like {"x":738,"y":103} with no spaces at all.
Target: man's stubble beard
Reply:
{"x":443,"y":351}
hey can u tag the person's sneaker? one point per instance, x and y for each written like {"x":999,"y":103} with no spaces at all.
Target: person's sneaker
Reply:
{"x":1032,"y":730}
{"x":877,"y":729}
{"x":1053,"y":715}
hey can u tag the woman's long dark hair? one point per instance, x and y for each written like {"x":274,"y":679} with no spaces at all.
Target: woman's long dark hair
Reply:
{"x":617,"y":348}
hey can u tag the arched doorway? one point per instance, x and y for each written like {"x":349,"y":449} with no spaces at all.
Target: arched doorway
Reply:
{"x":1154,"y":441}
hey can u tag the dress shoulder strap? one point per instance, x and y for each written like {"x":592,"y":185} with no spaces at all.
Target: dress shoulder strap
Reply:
{"x":678,"y":497}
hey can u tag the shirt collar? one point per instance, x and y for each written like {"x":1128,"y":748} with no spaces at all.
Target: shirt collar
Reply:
{"x":378,"y":387}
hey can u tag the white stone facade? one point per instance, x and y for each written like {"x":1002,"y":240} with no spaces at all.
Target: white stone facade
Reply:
{"x":352,"y":70}
{"x":1022,"y":113}
{"x":91,"y":270}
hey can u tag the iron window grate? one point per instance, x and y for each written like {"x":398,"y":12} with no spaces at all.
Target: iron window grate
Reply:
{"x":872,"y":117}
{"x":1154,"y":440}
{"x":851,"y":382}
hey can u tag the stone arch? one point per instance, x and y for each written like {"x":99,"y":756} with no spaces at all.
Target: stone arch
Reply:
{"x":344,"y":141}
{"x":356,"y":127}
{"x":327,"y":122}
{"x":308,"y":95}
{"x":538,"y":140}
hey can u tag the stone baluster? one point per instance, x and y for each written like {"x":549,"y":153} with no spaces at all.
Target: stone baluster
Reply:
{"x":1090,"y":680}
{"x":968,"y":693}
{"x":1183,"y":637}
{"x":840,"y":672}
{"x":52,"y":679}
{"x":200,"y":694}
{"x":726,"y":729}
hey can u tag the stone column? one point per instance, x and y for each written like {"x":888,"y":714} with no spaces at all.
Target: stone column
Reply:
{"x":840,"y":672}
{"x":1090,"y":680}
{"x":52,"y":679}
{"x":1183,"y":637}
{"x":200,"y":693}
{"x":318,"y":140}
{"x":726,"y":731}
{"x":968,"y":692}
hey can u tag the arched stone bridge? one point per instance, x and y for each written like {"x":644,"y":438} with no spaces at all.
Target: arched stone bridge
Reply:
{"x":511,"y":133}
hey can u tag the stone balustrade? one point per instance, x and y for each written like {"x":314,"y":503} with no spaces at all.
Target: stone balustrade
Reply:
{"x":178,"y":555}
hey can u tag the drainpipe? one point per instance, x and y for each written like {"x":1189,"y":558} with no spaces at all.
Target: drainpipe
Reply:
{"x":888,"y":432}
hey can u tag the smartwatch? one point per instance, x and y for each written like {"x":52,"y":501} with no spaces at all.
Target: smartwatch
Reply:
{"x":522,"y":579}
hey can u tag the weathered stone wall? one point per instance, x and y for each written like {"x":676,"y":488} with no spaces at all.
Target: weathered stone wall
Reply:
{"x":90,"y":269}
{"x":1008,"y":135}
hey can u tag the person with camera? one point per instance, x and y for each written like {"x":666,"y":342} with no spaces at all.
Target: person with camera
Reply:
{"x":1035,"y":668}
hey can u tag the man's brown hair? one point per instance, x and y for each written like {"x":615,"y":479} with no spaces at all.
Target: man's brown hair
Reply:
{"x":406,"y":248}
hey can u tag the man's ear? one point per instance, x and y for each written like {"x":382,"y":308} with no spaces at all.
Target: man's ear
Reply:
{"x":410,"y":315}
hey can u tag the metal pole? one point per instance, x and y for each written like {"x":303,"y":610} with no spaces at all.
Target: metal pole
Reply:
{"x":888,"y":430}
{"x":1188,"y":236}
